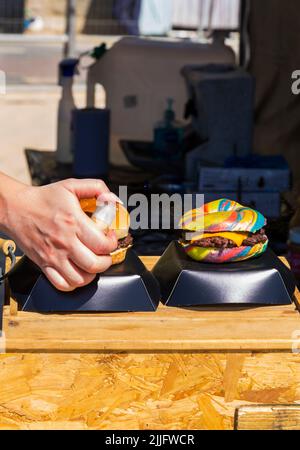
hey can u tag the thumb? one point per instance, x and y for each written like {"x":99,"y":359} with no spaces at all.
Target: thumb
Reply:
{"x":86,"y":188}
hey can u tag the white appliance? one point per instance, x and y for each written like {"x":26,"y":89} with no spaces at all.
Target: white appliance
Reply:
{"x":138,"y":75}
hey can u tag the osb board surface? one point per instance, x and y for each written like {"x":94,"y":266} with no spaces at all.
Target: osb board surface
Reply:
{"x":268,"y":417}
{"x":141,"y":391}
{"x":169,"y":329}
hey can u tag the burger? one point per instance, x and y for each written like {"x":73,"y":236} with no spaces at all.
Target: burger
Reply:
{"x":120,"y":226}
{"x":223,"y":231}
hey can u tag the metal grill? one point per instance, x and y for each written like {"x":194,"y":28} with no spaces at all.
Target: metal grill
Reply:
{"x":122,"y":16}
{"x":102,"y":18}
{"x":119,"y":17}
{"x":12,"y":15}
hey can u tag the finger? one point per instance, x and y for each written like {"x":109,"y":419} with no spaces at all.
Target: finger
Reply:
{"x":93,"y":238}
{"x":86,"y":260}
{"x":57,"y":280}
{"x":86,"y":188}
{"x":75,"y":276}
{"x":110,"y":197}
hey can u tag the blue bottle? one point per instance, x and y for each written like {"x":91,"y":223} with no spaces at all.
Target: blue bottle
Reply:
{"x":169,"y":134}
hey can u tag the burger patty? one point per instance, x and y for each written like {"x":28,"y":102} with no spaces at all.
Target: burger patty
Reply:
{"x":258,"y":238}
{"x":221,"y":242}
{"x":126,"y":242}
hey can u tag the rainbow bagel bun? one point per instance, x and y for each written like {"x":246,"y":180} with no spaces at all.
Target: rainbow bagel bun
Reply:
{"x":223,"y":231}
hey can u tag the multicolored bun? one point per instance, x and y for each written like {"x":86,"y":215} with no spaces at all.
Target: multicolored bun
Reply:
{"x":222,"y":232}
{"x":120,"y":226}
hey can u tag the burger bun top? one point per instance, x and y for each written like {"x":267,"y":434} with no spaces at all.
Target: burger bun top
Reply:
{"x":223,"y":216}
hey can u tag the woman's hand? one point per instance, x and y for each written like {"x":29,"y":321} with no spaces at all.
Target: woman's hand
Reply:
{"x":50,"y":227}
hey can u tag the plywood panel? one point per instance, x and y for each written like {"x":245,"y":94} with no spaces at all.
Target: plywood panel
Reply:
{"x":141,"y":391}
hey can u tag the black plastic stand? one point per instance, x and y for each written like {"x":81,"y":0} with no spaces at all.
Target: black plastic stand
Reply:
{"x":185,"y":283}
{"x":128,"y":287}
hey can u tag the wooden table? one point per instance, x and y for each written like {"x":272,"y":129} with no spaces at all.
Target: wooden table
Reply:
{"x":175,"y":369}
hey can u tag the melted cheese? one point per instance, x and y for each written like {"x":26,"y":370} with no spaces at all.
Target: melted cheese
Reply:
{"x":237,"y":237}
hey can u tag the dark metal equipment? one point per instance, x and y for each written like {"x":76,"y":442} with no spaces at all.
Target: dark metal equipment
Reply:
{"x":12,"y":14}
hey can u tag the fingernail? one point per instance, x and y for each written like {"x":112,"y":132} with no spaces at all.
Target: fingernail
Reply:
{"x":111,"y":197}
{"x":118,"y":200}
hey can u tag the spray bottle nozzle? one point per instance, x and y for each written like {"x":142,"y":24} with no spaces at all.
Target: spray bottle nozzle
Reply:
{"x":170,"y":115}
{"x":99,"y":51}
{"x":170,"y":102}
{"x":68,"y":68}
{"x":105,"y":214}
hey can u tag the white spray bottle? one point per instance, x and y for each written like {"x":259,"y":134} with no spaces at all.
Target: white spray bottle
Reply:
{"x":67,"y":69}
{"x":105,"y":214}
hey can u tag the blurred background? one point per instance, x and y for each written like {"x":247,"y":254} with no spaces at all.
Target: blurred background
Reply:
{"x":175,"y":96}
{"x":33,"y":41}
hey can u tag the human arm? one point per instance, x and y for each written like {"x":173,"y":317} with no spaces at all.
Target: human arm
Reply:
{"x":49,"y":226}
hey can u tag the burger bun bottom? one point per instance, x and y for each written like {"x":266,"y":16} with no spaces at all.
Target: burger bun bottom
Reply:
{"x":119,"y":256}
